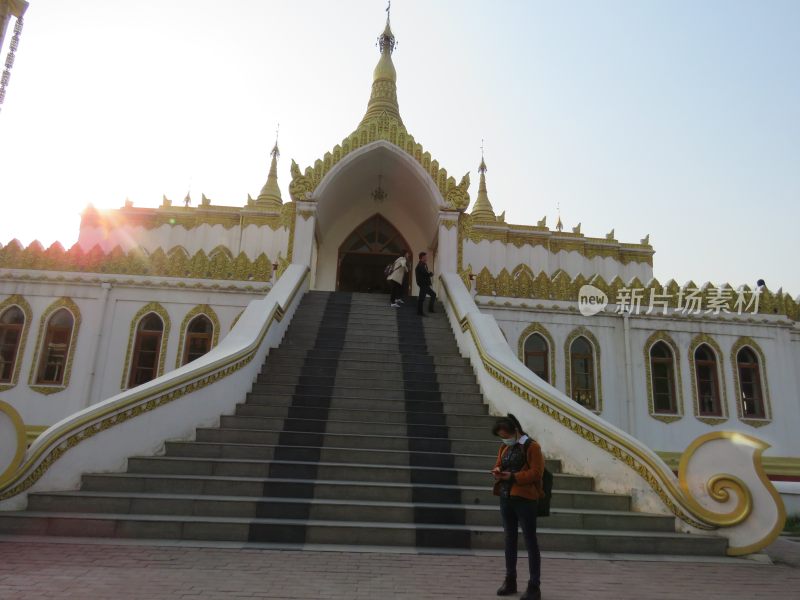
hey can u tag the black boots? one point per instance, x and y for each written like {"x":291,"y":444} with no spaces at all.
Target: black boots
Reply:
{"x":532,"y":593}
{"x":509,"y":587}
{"x":430,"y":307}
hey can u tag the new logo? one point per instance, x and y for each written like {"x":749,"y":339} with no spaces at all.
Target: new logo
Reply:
{"x":591,"y":300}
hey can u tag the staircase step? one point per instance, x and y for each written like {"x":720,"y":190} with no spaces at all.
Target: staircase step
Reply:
{"x":368,"y":415}
{"x":348,"y":440}
{"x":392,"y":376}
{"x":335,"y":489}
{"x":449,"y":407}
{"x":355,"y":368}
{"x":386,"y":393}
{"x":343,"y":532}
{"x":372,"y":345}
{"x":350,"y":471}
{"x":332,"y":426}
{"x":353,"y":356}
{"x":339,"y":510}
{"x":388,"y":457}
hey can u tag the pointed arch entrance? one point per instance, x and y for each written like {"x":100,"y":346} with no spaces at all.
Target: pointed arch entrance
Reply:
{"x":364,"y":254}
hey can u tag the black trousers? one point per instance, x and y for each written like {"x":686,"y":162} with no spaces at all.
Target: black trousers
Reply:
{"x":520,"y":512}
{"x":397,"y":290}
{"x":425,"y":291}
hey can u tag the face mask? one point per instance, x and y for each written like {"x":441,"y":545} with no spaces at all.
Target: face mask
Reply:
{"x":509,"y":441}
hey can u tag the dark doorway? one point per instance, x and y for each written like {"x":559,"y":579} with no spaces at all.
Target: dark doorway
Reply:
{"x":364,"y":255}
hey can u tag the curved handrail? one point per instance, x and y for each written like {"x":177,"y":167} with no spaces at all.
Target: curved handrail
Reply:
{"x":691,"y":496}
{"x":235,"y":351}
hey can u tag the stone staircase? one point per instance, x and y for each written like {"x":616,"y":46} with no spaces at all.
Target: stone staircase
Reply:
{"x":366,"y":427}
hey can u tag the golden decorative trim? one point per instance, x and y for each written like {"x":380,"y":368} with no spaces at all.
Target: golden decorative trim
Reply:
{"x":22,"y":304}
{"x":70,"y":434}
{"x":202,"y":309}
{"x":380,"y":127}
{"x":34,"y":431}
{"x":575,"y":334}
{"x":306,"y":214}
{"x":19,"y":453}
{"x":236,"y":320}
{"x":560,"y":286}
{"x":719,"y":486}
{"x":659,"y":479}
{"x":26,"y":277}
{"x":69,"y":305}
{"x":748,"y":342}
{"x":663,"y":336}
{"x":551,"y":347}
{"x":152,"y":307}
{"x":289,"y":214}
{"x":774,"y":466}
{"x":698,"y":340}
{"x":220,"y":264}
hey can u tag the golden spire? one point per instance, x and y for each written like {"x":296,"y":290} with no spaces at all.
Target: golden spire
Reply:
{"x":270,"y":196}
{"x":482,"y":209}
{"x":383,"y":98}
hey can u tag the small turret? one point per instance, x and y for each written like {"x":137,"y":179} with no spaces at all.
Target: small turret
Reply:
{"x":482,"y":211}
{"x":270,"y":196}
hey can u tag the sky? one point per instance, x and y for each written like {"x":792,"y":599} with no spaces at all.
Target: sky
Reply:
{"x":678,"y":119}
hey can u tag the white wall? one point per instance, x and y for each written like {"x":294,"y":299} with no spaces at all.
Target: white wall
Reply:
{"x":778,"y":341}
{"x":497,"y":255}
{"x":106,"y":342}
{"x":253,"y":240}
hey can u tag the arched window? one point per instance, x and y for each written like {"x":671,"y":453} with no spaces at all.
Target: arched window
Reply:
{"x":146,"y":350}
{"x":11,"y":323}
{"x":662,"y":367}
{"x":582,"y":386}
{"x":198,"y":338}
{"x":752,"y":397}
{"x":537,"y":356}
{"x":55,"y":350}
{"x":705,"y":366}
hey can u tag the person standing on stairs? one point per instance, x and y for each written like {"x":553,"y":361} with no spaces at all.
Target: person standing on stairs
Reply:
{"x":395,"y":278}
{"x":518,"y":481}
{"x":424,"y":281}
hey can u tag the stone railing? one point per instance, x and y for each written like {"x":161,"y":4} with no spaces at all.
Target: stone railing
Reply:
{"x":721,"y":484}
{"x":138,"y":421}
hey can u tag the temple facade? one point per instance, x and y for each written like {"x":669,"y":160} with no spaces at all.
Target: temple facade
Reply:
{"x":146,"y":290}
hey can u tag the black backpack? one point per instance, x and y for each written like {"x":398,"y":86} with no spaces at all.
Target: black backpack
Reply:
{"x":543,"y":504}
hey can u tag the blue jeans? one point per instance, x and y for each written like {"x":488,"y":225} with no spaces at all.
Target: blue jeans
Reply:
{"x":520,"y":512}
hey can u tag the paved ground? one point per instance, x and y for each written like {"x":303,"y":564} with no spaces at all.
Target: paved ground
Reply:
{"x":37,"y":570}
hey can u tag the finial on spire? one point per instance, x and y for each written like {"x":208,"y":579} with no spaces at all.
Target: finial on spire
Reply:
{"x":276,"y":153}
{"x":386,"y":39}
{"x":559,"y":224}
{"x":482,"y":167}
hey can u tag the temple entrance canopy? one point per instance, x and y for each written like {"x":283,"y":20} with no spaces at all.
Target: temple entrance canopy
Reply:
{"x":364,"y":256}
{"x":336,"y":194}
{"x":347,"y":215}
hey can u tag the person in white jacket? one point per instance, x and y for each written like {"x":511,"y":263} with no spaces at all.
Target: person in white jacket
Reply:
{"x":395,"y":278}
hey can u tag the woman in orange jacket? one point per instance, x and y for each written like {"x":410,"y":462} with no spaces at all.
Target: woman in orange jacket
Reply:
{"x":518,"y":481}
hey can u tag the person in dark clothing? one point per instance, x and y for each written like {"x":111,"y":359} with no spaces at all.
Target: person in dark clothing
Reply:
{"x":424,"y":281}
{"x":518,"y":476}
